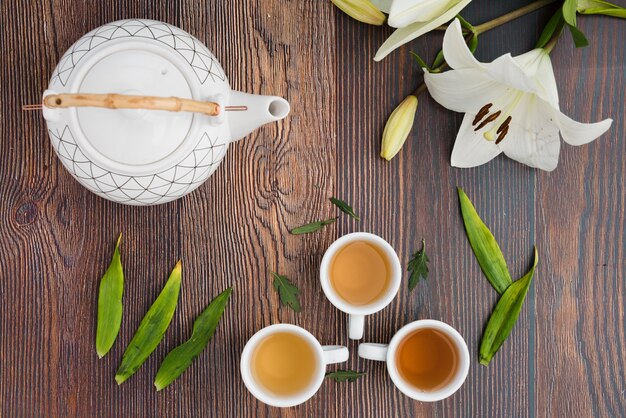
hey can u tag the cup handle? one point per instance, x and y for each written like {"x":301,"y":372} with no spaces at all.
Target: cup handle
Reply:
{"x":335,"y":354}
{"x":373,"y":351}
{"x":356,"y":323}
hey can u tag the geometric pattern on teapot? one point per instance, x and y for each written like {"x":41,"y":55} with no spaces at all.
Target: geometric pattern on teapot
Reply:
{"x":193,"y":51}
{"x":151,"y":189}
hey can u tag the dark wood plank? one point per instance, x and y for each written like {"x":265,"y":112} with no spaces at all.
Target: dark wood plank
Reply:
{"x":580,"y":322}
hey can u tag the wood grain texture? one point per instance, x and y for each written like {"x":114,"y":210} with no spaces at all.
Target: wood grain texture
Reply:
{"x":565,"y":355}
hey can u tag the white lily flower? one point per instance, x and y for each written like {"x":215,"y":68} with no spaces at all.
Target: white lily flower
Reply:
{"x":415,"y":18}
{"x":511,"y":105}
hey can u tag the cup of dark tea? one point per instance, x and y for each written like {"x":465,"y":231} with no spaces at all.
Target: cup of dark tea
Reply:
{"x":427,"y":360}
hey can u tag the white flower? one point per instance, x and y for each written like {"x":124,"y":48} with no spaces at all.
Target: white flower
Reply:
{"x":511,"y":105}
{"x":415,"y":18}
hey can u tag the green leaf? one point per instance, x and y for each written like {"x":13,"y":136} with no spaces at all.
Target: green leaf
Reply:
{"x":287,"y":292}
{"x":473,"y":42}
{"x":600,"y":7}
{"x":569,"y":11}
{"x":110,"y":303}
{"x":579,"y":38}
{"x":152,"y":327}
{"x":484,"y":245}
{"x":465,"y":24}
{"x":420,"y":61}
{"x":439,"y":60}
{"x":554,"y":25}
{"x":345,"y":375}
{"x":312,"y":227}
{"x":505,"y":315}
{"x":418,"y":266}
{"x":181,"y":357}
{"x":344,"y":207}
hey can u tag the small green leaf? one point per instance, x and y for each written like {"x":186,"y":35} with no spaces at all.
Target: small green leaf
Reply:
{"x":312,"y":227}
{"x":344,"y":207}
{"x":554,"y":25}
{"x":579,"y":38}
{"x":569,"y":11}
{"x":418,"y":266}
{"x":505,"y":315}
{"x":473,"y":42}
{"x":465,"y":24}
{"x":287,"y":291}
{"x":420,"y":61}
{"x":345,"y":375}
{"x":439,"y":60}
{"x":484,"y":245}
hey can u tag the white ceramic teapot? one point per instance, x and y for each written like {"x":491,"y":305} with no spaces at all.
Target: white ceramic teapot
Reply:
{"x":146,"y":157}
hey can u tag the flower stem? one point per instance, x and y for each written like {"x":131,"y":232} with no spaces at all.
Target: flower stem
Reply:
{"x":419,"y":90}
{"x":538,"y":4}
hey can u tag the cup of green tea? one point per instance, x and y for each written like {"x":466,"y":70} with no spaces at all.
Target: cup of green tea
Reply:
{"x":284,"y":365}
{"x":360,"y":274}
{"x":427,"y":360}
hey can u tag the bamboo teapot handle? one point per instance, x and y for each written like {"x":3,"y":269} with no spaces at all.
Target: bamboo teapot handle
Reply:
{"x":122,"y":101}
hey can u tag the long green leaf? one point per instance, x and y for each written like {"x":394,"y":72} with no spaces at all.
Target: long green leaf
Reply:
{"x":554,"y":25}
{"x":505,"y":315}
{"x":177,"y":360}
{"x":152,"y":327}
{"x":110,"y":303}
{"x":485,"y":246}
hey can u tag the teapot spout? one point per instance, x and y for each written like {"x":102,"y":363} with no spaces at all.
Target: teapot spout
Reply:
{"x":260,"y":110}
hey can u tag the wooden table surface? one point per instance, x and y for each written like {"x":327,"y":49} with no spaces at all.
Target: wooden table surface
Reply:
{"x":565,"y":356}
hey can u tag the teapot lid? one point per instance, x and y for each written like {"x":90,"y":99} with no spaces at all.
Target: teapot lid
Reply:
{"x":134,"y":136}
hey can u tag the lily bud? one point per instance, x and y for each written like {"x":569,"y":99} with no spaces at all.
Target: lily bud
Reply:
{"x":398,"y":127}
{"x":600,"y":7}
{"x":361,"y":10}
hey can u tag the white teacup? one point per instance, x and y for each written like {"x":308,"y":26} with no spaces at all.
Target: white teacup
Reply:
{"x":324,"y":355}
{"x":387,"y":353}
{"x":356,"y":320}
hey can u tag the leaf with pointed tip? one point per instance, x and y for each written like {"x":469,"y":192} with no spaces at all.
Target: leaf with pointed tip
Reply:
{"x":504,"y":315}
{"x":287,"y":291}
{"x":312,"y":227}
{"x":418,"y":266}
{"x":344,"y":207}
{"x":345,"y":375}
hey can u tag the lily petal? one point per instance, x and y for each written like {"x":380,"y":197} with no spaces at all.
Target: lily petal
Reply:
{"x":455,"y":50}
{"x":405,"y":12}
{"x":505,"y":70}
{"x":533,"y":137}
{"x":538,"y":66}
{"x":470,"y":148}
{"x":578,"y":133}
{"x":414,"y":30}
{"x":465,"y":90}
{"x":383,"y":5}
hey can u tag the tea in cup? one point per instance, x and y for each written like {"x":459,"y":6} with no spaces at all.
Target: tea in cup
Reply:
{"x":284,"y":365}
{"x":360,"y":274}
{"x":427,"y":360}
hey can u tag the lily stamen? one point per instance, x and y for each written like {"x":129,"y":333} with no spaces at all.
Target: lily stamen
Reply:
{"x":482,"y":113}
{"x":490,"y":118}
